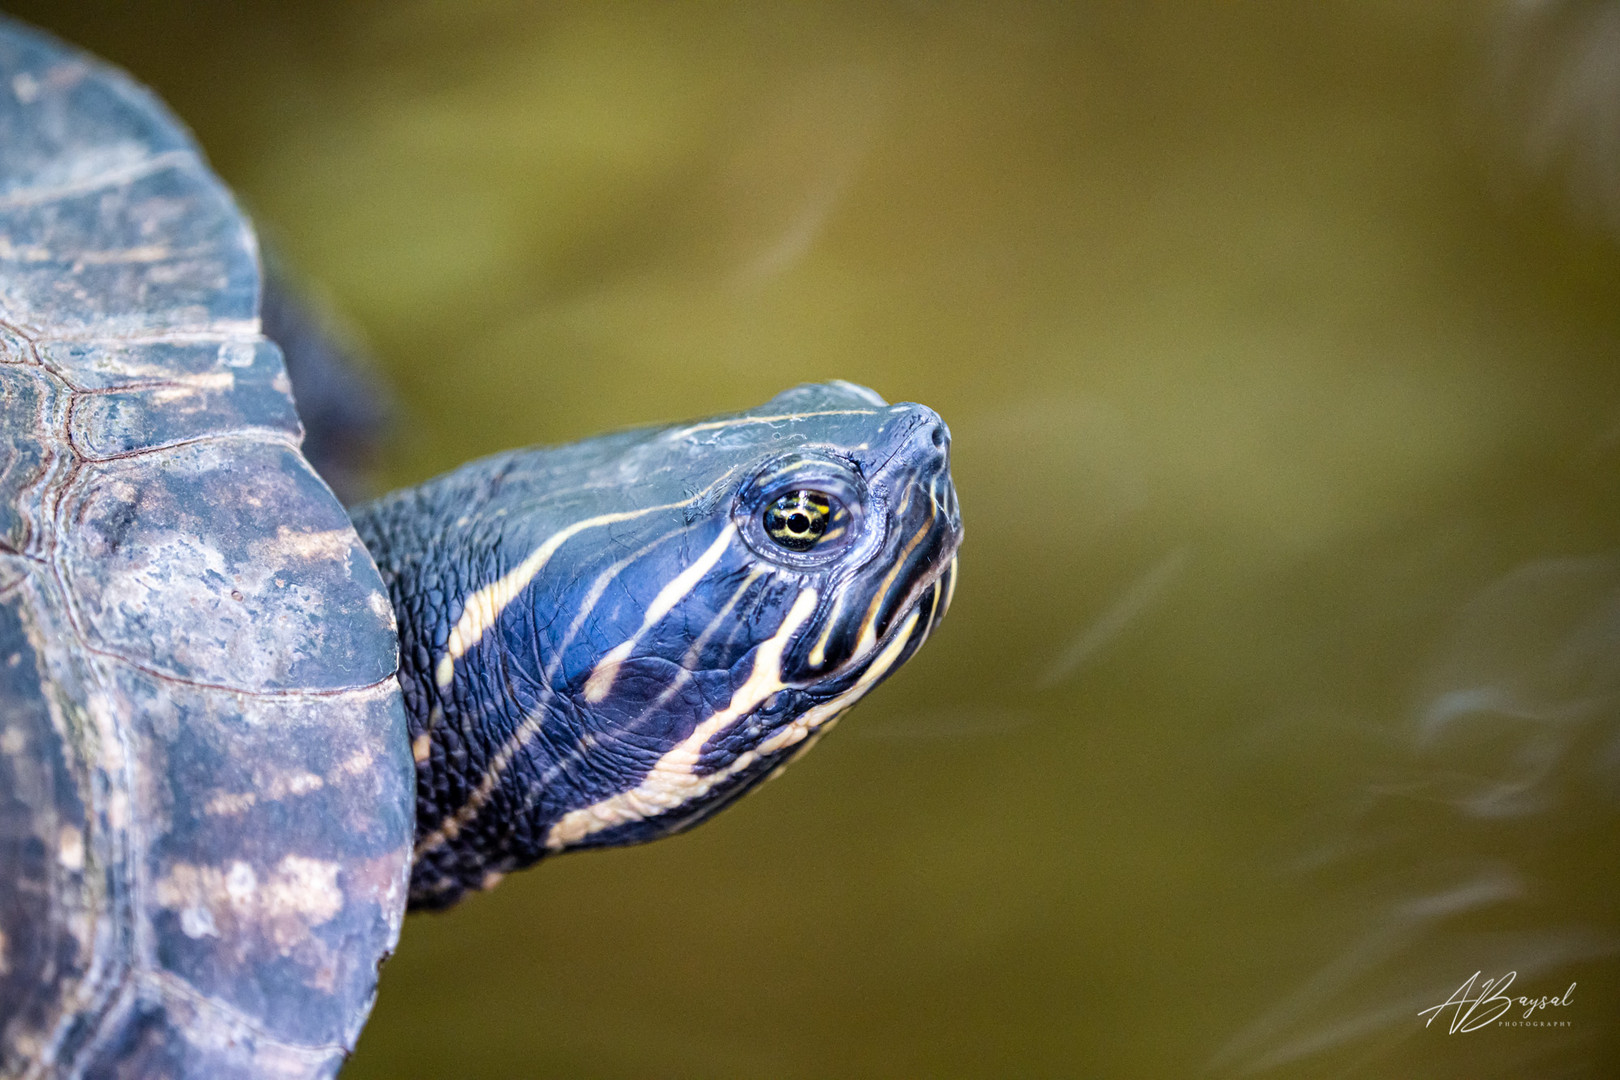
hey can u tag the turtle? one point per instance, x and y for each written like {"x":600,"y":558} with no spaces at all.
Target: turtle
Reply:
{"x":243,"y":729}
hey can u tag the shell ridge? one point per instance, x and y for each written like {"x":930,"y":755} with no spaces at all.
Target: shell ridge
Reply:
{"x":263,"y":435}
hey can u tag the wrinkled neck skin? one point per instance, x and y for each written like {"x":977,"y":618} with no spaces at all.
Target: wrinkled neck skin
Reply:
{"x":606,"y":642}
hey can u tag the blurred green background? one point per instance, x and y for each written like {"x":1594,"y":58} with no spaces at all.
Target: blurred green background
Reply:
{"x":1281,"y":347}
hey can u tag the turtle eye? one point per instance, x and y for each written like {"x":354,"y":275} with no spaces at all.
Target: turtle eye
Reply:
{"x":804,"y":512}
{"x":800,"y":520}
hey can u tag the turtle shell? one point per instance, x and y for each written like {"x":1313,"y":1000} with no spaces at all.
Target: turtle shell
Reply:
{"x":205,"y":782}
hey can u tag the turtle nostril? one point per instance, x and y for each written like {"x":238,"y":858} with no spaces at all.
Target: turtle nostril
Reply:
{"x":938,"y":436}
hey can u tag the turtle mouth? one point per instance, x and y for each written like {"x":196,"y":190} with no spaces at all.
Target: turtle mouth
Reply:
{"x":889,"y":622}
{"x":931,"y":596}
{"x":914,"y":618}
{"x":928,"y":593}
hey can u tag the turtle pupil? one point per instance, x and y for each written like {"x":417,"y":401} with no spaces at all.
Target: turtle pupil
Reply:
{"x":797,"y":520}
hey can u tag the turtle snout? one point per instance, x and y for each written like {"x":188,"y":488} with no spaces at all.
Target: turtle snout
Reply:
{"x":926,"y":448}
{"x":921,"y":437}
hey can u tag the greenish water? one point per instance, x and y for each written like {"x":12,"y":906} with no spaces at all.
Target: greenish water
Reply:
{"x":1281,"y":692}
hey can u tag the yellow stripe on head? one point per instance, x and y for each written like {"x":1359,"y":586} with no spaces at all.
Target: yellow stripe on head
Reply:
{"x":607,"y":669}
{"x":673,"y":780}
{"x":741,"y":421}
{"x":481,"y":608}
{"x":868,"y":635}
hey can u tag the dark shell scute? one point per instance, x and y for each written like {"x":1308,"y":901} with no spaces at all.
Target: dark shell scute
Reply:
{"x":63,"y":123}
{"x":272,"y":831}
{"x":228,"y":563}
{"x":155,"y":252}
{"x":157,"y":394}
{"x":42,"y":848}
{"x":33,"y":404}
{"x":171,"y":1033}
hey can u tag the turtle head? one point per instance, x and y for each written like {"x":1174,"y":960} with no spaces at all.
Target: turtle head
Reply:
{"x":643,"y":626}
{"x":802,"y":551}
